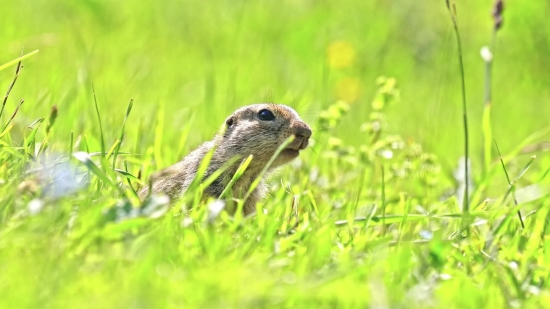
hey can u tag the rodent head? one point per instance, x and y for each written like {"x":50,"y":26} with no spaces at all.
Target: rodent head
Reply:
{"x":259,"y":129}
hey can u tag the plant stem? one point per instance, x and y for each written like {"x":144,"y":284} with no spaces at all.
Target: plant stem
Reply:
{"x":466,"y":204}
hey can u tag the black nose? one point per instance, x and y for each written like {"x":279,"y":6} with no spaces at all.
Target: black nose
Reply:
{"x":302,"y":130}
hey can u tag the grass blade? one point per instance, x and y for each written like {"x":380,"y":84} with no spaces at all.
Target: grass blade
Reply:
{"x":238,"y":173}
{"x":121,"y":135}
{"x":134,"y":192}
{"x":383,"y":199}
{"x":391,"y":219}
{"x":13,"y":115}
{"x":71,"y":145}
{"x":102,"y":140}
{"x":452,"y":11}
{"x":512,"y":184}
{"x":11,"y":87}
{"x":85,"y":159}
{"x":267,"y":166}
{"x":19,"y":59}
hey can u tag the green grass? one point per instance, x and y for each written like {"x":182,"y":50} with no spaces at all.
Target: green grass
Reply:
{"x":367,"y":217}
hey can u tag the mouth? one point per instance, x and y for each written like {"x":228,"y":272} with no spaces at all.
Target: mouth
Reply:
{"x":294,"y":148}
{"x":290,"y":153}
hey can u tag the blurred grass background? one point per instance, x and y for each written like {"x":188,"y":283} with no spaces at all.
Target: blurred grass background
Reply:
{"x":188,"y":64}
{"x":199,"y":60}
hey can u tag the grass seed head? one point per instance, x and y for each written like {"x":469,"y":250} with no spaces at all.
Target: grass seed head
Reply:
{"x":498,"y":8}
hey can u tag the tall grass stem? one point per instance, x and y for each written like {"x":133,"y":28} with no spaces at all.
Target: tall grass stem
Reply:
{"x":452,"y":11}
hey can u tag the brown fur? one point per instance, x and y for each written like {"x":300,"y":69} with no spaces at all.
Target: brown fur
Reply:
{"x":245,"y":134}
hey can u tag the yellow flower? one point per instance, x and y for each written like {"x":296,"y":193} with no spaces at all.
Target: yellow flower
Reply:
{"x":340,"y":54}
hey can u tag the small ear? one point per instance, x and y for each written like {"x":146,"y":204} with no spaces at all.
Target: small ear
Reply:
{"x":229,"y":121}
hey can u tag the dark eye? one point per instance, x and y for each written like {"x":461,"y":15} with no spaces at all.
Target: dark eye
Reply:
{"x":266,"y":115}
{"x":229,"y":122}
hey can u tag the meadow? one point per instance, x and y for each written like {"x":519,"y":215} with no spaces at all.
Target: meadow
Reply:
{"x":372,"y":214}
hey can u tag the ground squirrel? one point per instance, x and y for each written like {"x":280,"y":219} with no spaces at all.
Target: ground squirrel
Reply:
{"x":256,"y":130}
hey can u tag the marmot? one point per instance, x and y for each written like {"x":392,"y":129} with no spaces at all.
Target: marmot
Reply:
{"x":256,"y":130}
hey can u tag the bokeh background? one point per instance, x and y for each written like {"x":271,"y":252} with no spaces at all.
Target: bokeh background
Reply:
{"x":196,"y":61}
{"x":188,"y":64}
